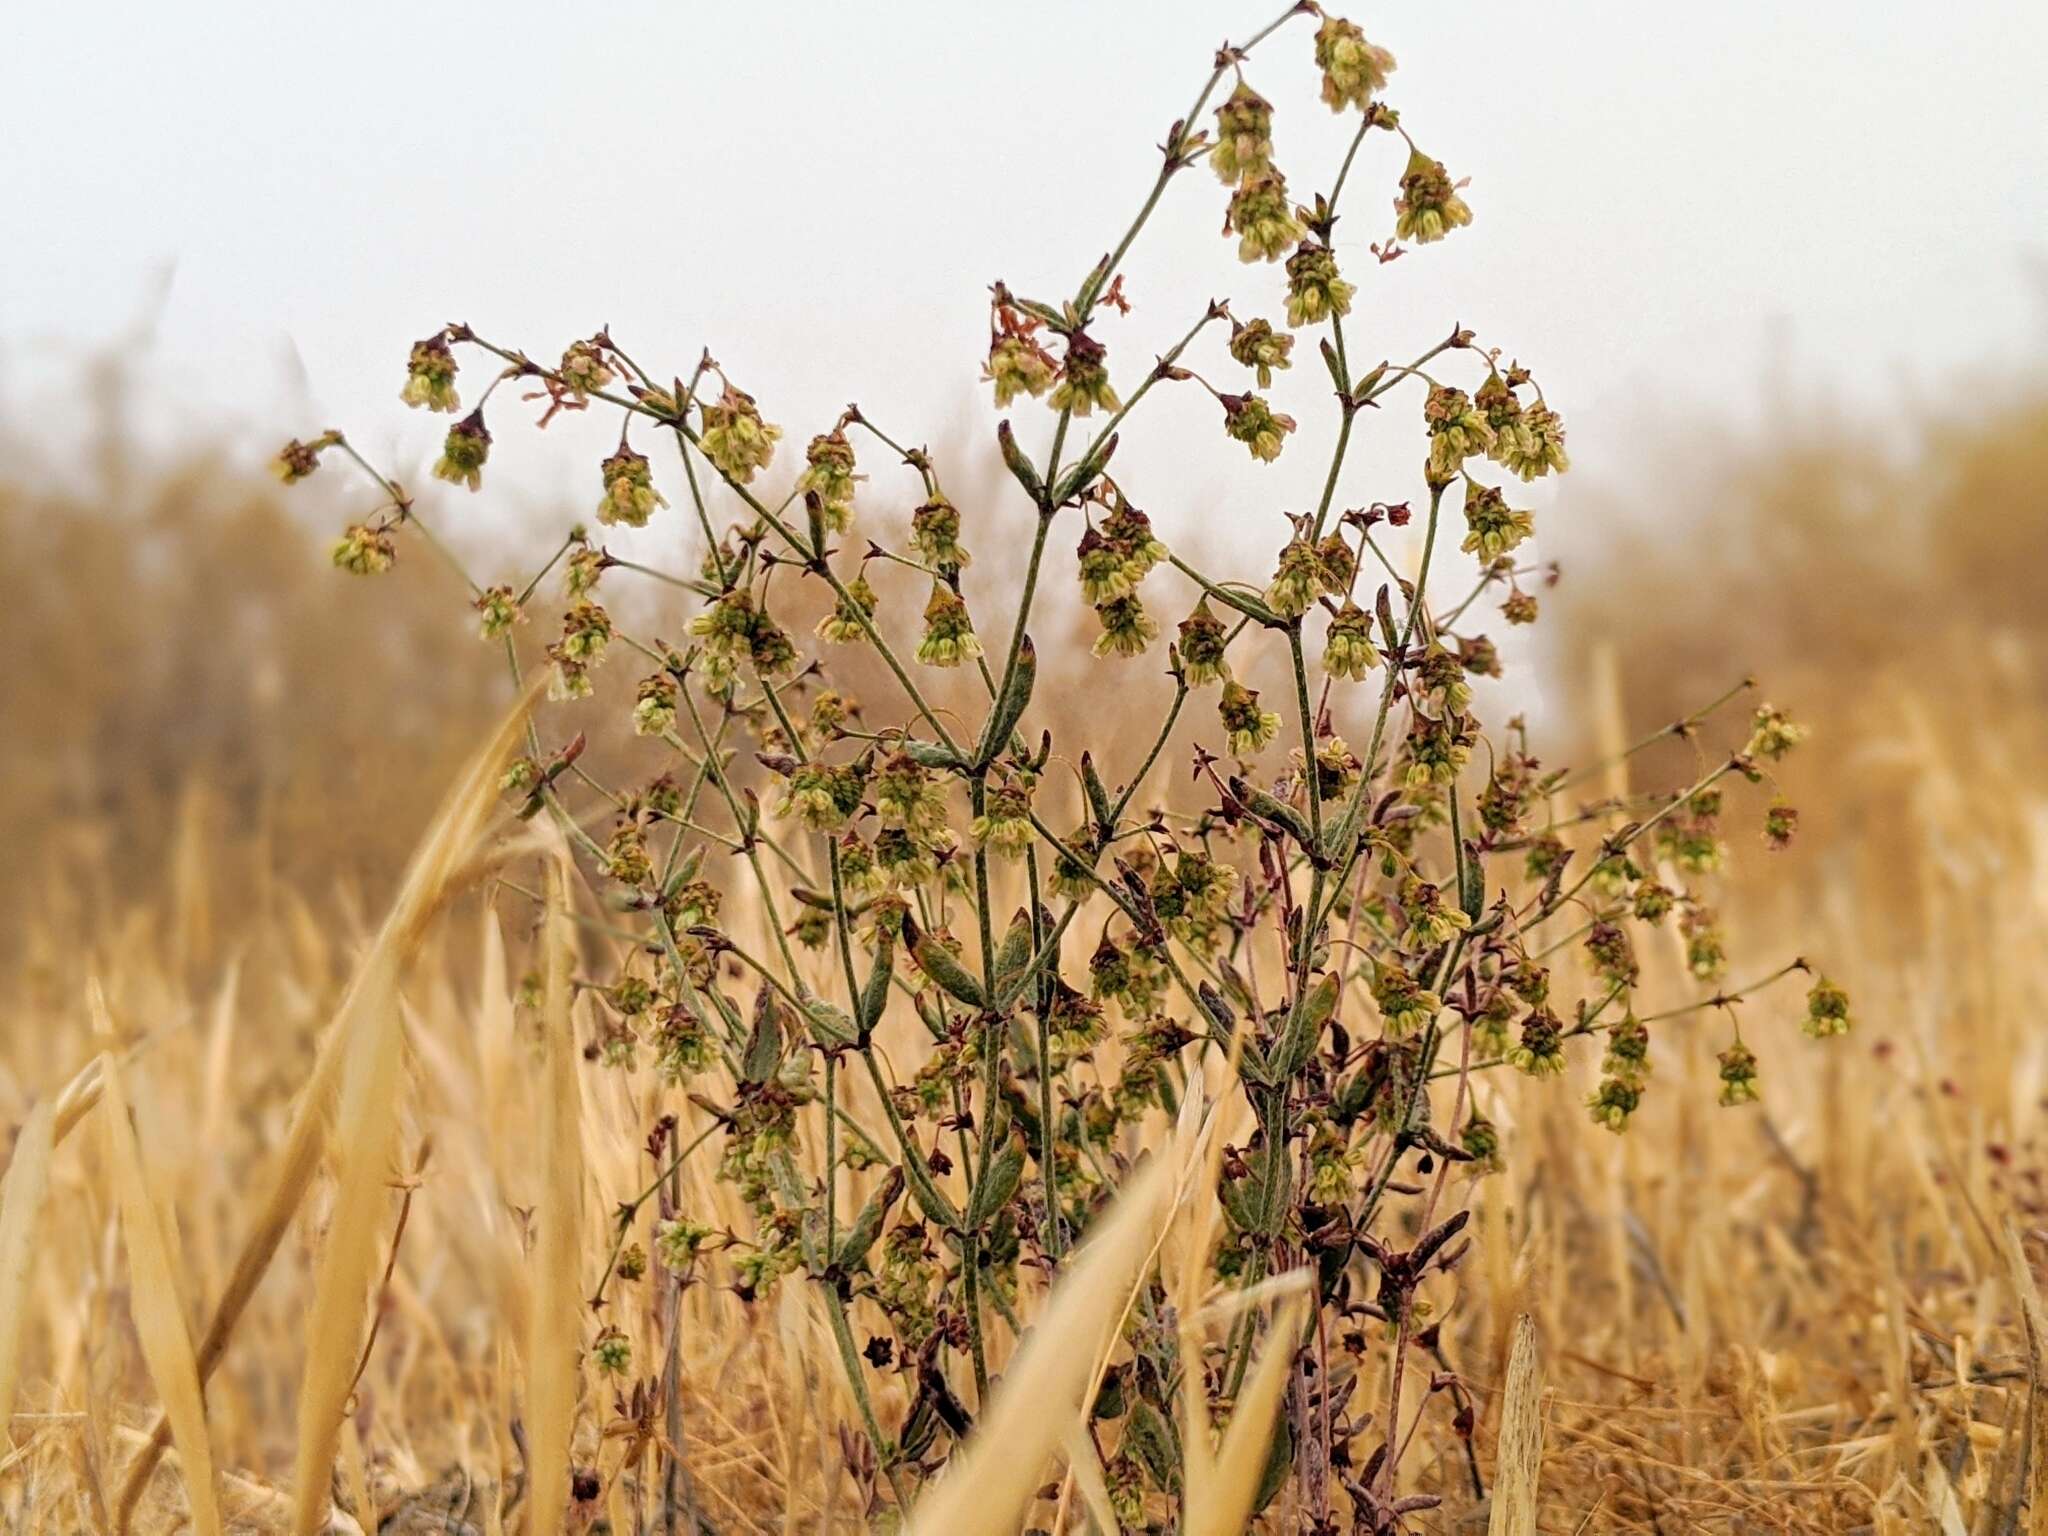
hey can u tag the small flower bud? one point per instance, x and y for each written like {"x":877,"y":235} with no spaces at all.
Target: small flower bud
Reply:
{"x":1827,"y":1010}
{"x":1738,"y":1075}
{"x":1251,"y":421}
{"x":735,"y":438}
{"x":1352,"y":67}
{"x":1251,"y":729}
{"x":1429,"y":206}
{"x":296,"y":460}
{"x":1256,"y":345}
{"x":498,"y":610}
{"x":1493,"y":528}
{"x":935,"y":535}
{"x":1084,"y":378}
{"x":1263,"y":219}
{"x":1202,"y":638}
{"x":464,"y":451}
{"x":1315,"y":292}
{"x":1244,"y":136}
{"x":629,"y":494}
{"x":1348,"y":649}
{"x":949,"y":637}
{"x":430,"y":376}
{"x":364,"y":551}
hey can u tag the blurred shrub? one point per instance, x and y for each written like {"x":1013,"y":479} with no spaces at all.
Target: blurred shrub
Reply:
{"x":185,"y":657}
{"x":1884,"y":573}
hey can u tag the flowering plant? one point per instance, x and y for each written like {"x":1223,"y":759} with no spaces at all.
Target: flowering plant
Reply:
{"x":1355,"y":914}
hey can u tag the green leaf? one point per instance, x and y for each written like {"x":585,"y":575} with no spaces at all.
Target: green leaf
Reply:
{"x":1002,"y":720}
{"x":764,"y":1042}
{"x":874,"y":997}
{"x":867,"y":1226}
{"x":942,"y":966}
{"x":998,"y":1185}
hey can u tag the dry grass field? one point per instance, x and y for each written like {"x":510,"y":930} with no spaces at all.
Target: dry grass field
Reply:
{"x":1817,"y":1313}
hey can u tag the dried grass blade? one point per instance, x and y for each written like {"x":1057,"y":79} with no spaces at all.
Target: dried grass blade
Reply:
{"x":1519,"y":1460}
{"x":2035,"y":1316}
{"x":154,"y":1301}
{"x":22,"y":1195}
{"x":1223,"y":1507}
{"x":990,"y":1480}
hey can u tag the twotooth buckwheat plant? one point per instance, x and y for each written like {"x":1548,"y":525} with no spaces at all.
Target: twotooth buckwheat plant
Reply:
{"x":974,"y":997}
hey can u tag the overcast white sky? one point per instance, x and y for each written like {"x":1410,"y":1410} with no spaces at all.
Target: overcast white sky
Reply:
{"x":1667,"y":197}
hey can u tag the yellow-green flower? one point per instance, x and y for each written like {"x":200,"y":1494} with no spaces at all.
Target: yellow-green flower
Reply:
{"x":1774,"y":733}
{"x":935,"y":535}
{"x":1084,"y":378}
{"x":1017,"y":363}
{"x":430,"y":376}
{"x":1492,"y":527}
{"x":842,"y":626}
{"x":1540,"y":1050}
{"x":1827,"y":1010}
{"x":1202,"y":640}
{"x":1244,"y":136}
{"x":629,"y":494}
{"x":828,"y":475}
{"x":1256,"y":424}
{"x":1536,"y":448}
{"x":1348,"y":649}
{"x":1429,"y":206}
{"x":364,"y":551}
{"x":1250,"y":728}
{"x":735,"y":438}
{"x":1256,"y":345}
{"x":296,"y":460}
{"x":1457,"y":430}
{"x":1005,"y":827}
{"x":584,"y":370}
{"x":1297,"y":579}
{"x":1352,"y":67}
{"x":1613,"y":1102}
{"x":1315,"y":292}
{"x":949,"y":637}
{"x":1127,"y":629}
{"x":464,"y":451}
{"x":498,"y":611}
{"x":1738,"y":1075}
{"x":1263,"y":219}
{"x":626,"y":858}
{"x":654,"y":707}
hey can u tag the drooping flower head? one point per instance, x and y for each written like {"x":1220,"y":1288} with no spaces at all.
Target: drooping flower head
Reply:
{"x":430,"y":376}
{"x":1429,"y":206}
{"x":1244,"y":136}
{"x":1353,"y":69}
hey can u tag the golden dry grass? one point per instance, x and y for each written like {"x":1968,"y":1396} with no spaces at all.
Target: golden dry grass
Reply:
{"x":1807,"y":1316}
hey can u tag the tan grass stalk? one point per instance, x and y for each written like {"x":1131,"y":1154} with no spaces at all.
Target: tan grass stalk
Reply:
{"x":1085,"y":1467}
{"x":989,"y":1482}
{"x":555,"y":1338}
{"x":2035,"y":1315}
{"x":22,"y":1195}
{"x":365,"y":1131}
{"x":1222,"y":1485}
{"x":428,"y":883}
{"x":1518,"y":1463}
{"x":154,"y":1298}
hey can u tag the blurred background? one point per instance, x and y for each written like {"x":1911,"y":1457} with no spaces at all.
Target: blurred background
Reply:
{"x":1785,"y":275}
